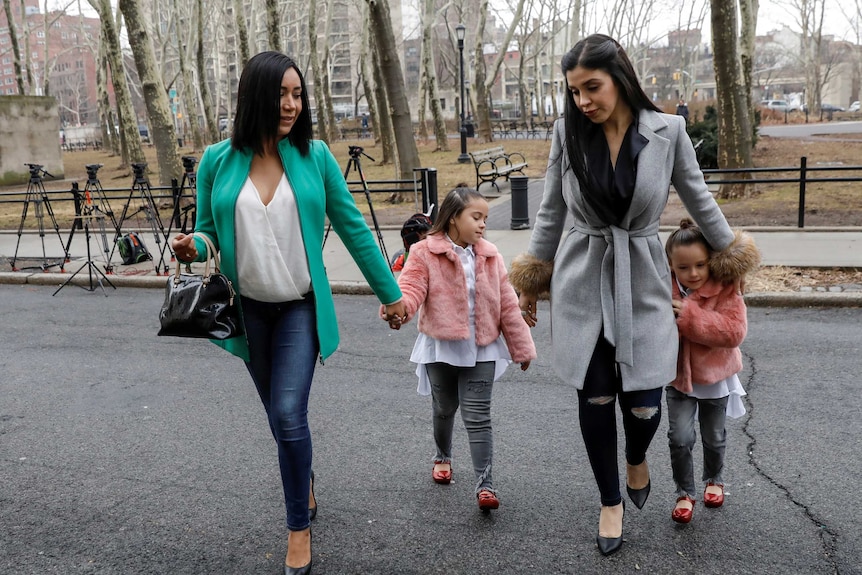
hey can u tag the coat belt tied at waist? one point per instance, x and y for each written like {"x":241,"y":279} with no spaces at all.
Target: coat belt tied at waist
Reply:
{"x":616,"y":285}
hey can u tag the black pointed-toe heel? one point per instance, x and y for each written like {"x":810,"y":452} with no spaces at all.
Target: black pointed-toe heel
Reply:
{"x":312,"y":511}
{"x":610,"y":545}
{"x":305,"y":569}
{"x":639,"y":496}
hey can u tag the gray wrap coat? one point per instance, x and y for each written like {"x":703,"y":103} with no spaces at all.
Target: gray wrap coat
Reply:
{"x":616,"y":279}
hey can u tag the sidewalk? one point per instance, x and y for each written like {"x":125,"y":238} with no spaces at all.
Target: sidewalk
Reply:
{"x":810,"y":247}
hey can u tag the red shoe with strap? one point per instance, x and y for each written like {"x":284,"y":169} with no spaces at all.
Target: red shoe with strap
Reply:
{"x":442,"y":476}
{"x":713,"y":499}
{"x":682,"y":514}
{"x":487,"y":500}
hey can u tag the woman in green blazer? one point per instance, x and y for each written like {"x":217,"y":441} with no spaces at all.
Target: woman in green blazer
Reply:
{"x":263,"y":197}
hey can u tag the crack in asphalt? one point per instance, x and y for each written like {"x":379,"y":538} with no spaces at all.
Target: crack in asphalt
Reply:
{"x":828,"y":537}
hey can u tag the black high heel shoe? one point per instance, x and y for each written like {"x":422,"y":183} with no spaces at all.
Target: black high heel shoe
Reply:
{"x":305,"y":569}
{"x":639,"y":496}
{"x":312,"y":511}
{"x":610,"y":545}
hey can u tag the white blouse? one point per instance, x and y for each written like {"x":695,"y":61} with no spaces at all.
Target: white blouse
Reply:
{"x":462,"y":352}
{"x":270,"y":255}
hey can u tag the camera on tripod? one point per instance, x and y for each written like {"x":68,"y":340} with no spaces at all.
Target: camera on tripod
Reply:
{"x":138,"y":169}
{"x":36,"y":169}
{"x":355,"y":151}
{"x":189,"y":163}
{"x":92,"y":170}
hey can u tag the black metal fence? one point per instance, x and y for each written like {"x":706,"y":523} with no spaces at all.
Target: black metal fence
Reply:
{"x":801,"y":176}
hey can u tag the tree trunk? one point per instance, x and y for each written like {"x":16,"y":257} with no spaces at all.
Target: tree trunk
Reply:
{"x":241,"y":32}
{"x":28,"y":67}
{"x":384,"y":119}
{"x":130,"y":139}
{"x":188,"y":90}
{"x":272,"y":27}
{"x":16,"y":50}
{"x":431,"y":78}
{"x":162,"y":131}
{"x":734,"y":128}
{"x":209,"y":113}
{"x":748,"y":17}
{"x":408,"y":154}
{"x":325,"y":90}
{"x":481,"y":86}
{"x":367,"y":85}
{"x":109,"y":138}
{"x":319,"y":98}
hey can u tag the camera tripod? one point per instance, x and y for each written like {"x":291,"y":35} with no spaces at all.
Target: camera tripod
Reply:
{"x":39,"y":197}
{"x":354,"y":163}
{"x":141,"y":189}
{"x":186,"y":191}
{"x":93,"y":202}
{"x":87,"y":213}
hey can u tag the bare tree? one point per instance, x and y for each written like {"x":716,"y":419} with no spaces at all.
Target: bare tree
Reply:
{"x":129,"y":137}
{"x":162,"y":131}
{"x":16,"y":50}
{"x":748,"y":19}
{"x":408,"y":154}
{"x":273,"y":29}
{"x":209,"y":115}
{"x":428,"y":88}
{"x":241,"y":31}
{"x":106,"y":113}
{"x":28,"y":66}
{"x":384,"y":119}
{"x":734,"y":127}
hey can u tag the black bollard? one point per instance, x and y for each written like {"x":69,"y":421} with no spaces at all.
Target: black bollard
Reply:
{"x":520,"y":203}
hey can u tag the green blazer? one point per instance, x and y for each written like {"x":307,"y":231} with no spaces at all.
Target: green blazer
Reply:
{"x":321,"y":192}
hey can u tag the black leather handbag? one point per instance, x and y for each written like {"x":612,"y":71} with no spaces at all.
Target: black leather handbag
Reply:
{"x":200,"y":305}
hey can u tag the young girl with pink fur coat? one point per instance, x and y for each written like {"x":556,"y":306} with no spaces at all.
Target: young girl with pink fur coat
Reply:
{"x":711,"y":318}
{"x":470,"y":329}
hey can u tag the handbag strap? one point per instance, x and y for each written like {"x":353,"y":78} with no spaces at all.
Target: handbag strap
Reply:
{"x":212,"y":254}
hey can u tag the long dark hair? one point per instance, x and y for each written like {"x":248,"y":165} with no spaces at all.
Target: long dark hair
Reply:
{"x":452,"y":206}
{"x":258,"y":106}
{"x":598,"y":52}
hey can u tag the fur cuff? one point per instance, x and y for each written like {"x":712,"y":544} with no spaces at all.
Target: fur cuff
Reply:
{"x":531,"y":275}
{"x":736,"y":260}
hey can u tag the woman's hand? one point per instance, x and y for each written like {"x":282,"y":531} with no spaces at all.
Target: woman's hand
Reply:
{"x":184,"y":247}
{"x":527,"y":303}
{"x":739,"y":284}
{"x":525,"y":365}
{"x":395,"y":314}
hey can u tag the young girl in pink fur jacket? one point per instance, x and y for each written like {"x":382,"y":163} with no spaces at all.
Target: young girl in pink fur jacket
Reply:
{"x":711,"y":317}
{"x":470,"y":328}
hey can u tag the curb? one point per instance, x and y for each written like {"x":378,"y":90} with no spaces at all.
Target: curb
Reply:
{"x":756,"y":299}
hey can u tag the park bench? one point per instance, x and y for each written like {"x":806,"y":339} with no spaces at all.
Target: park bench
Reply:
{"x":495,"y":163}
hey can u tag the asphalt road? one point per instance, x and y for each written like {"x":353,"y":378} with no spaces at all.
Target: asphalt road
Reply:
{"x":812,"y":129}
{"x":122,"y":452}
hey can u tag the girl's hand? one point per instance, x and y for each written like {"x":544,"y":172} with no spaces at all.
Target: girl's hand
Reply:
{"x":527,"y":303}
{"x":184,"y":247}
{"x":525,"y":365}
{"x":677,"y":307}
{"x":395,"y":314}
{"x":739,"y":284}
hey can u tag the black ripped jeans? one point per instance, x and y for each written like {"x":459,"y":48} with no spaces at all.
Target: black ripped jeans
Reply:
{"x":597,"y":410}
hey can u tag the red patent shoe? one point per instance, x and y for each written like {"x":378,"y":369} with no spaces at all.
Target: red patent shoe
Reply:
{"x":487,"y":500}
{"x":681,"y":514}
{"x":713,"y":499}
{"x":443,"y":476}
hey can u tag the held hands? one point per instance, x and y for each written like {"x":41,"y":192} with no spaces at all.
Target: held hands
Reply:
{"x":184,"y":247}
{"x":527,"y":303}
{"x":678,"y":304}
{"x":395,"y":314}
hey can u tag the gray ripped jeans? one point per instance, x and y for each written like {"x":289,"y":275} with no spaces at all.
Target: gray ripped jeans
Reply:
{"x":681,"y":434}
{"x":469,"y":387}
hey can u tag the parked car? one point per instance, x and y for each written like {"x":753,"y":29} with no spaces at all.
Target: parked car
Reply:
{"x":825,"y":107}
{"x":854,"y":107}
{"x":777,"y":105}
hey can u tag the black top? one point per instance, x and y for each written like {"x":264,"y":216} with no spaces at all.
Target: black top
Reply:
{"x":611,"y":189}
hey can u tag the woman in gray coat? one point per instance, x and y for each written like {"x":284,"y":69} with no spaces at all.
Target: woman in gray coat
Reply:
{"x":612,"y":160}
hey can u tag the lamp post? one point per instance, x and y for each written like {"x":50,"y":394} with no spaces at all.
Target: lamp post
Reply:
{"x":459,"y":33}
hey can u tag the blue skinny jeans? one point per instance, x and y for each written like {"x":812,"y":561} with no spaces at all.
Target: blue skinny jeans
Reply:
{"x":283,"y":345}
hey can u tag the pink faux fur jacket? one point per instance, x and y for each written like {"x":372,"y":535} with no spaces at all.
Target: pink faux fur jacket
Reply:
{"x":434,"y":279}
{"x":712,"y":325}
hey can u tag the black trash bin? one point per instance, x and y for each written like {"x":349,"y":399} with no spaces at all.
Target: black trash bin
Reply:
{"x":471,"y":129}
